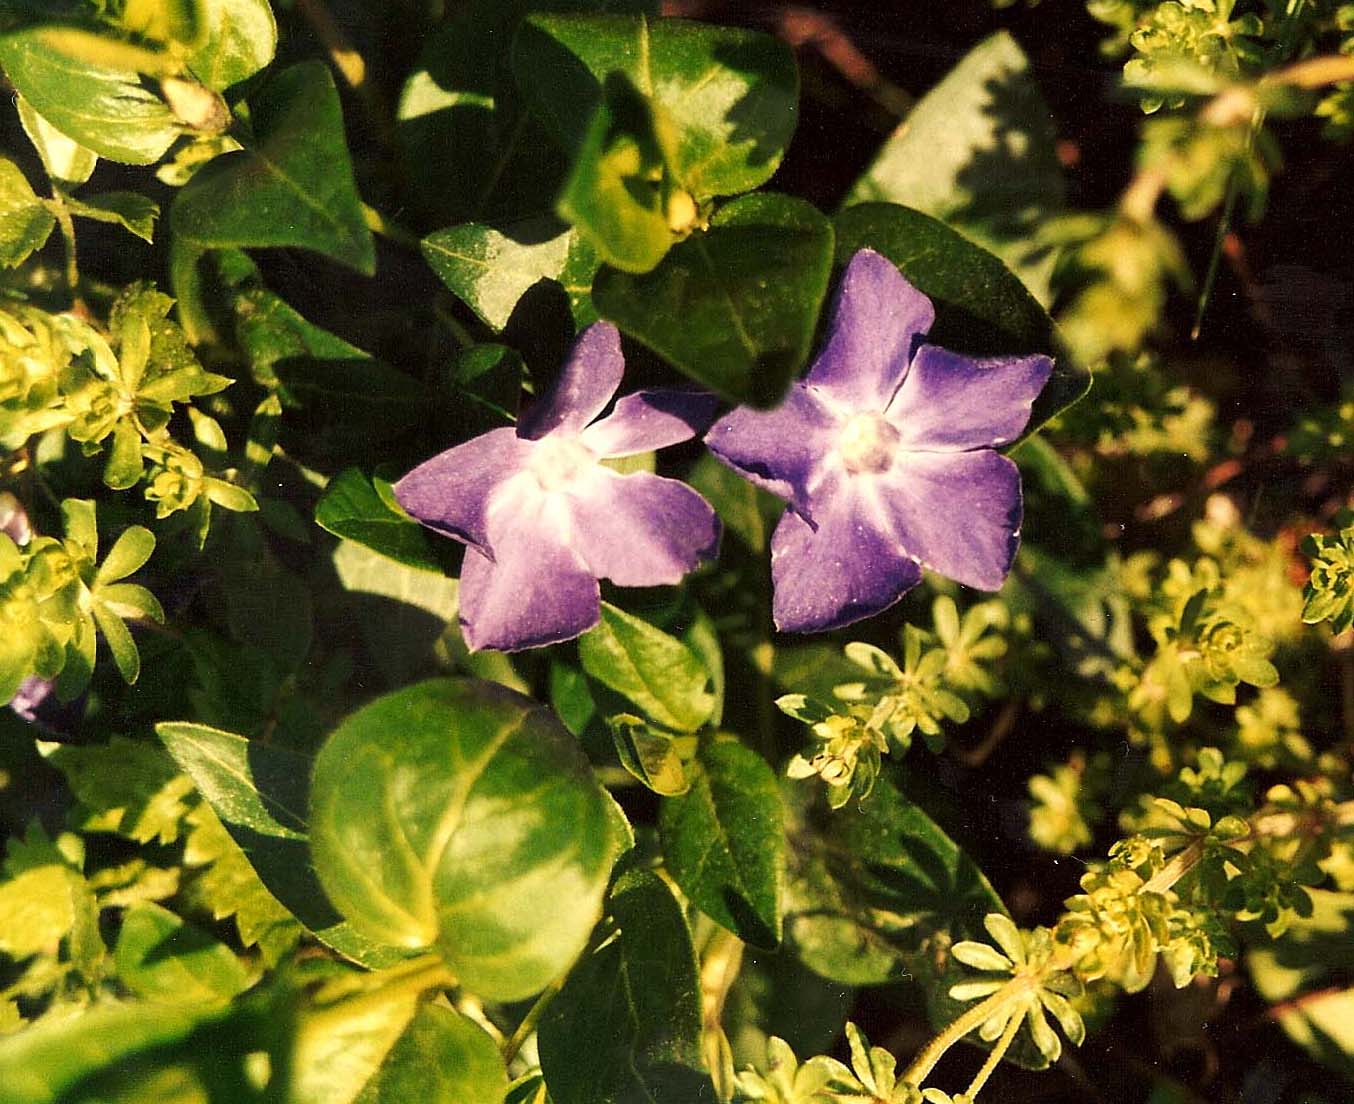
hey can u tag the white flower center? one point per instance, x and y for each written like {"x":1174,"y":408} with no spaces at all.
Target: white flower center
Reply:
{"x":559,"y":461}
{"x":868,"y":443}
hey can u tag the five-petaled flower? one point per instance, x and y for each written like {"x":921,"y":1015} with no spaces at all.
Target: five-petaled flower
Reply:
{"x":886,"y":453}
{"x":543,"y":519}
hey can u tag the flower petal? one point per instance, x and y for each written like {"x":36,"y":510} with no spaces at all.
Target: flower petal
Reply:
{"x":450,"y":493}
{"x":958,"y":513}
{"x":849,"y":568}
{"x":536,"y":592}
{"x":779,"y":450}
{"x":876,"y":321}
{"x":651,"y":420}
{"x":640,"y":529}
{"x":950,"y":402}
{"x":583,"y":387}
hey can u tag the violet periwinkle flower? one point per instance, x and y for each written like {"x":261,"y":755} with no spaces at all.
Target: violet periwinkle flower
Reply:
{"x":543,"y":519}
{"x":886,"y":453}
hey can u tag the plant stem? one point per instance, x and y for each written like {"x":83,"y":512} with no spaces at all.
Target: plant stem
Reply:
{"x":527,"y":1027}
{"x":409,"y":979}
{"x":998,"y":1053}
{"x":1180,"y":865}
{"x":377,"y":223}
{"x":67,"y":226}
{"x":352,"y":67}
{"x":975,"y":1017}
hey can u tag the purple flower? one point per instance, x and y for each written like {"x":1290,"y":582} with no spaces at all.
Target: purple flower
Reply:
{"x":543,"y":519}
{"x":886,"y":452}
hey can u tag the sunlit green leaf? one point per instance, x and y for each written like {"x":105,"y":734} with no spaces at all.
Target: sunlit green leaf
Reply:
{"x":25,"y":220}
{"x":162,"y":958}
{"x":442,"y":1058}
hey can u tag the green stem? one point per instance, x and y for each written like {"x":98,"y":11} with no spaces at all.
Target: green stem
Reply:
{"x":974,"y":1018}
{"x":67,"y":226}
{"x":998,"y":1053}
{"x":377,"y":223}
{"x":527,"y":1027}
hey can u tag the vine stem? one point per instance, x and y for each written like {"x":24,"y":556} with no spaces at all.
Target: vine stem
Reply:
{"x":528,"y":1025}
{"x":67,"y":227}
{"x":998,"y":1053}
{"x":409,"y":979}
{"x":975,"y":1017}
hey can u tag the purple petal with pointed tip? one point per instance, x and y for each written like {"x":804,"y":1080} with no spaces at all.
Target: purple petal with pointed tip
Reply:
{"x":536,"y":592}
{"x":451,"y":492}
{"x":875,"y":323}
{"x":649,"y":420}
{"x":779,"y":450}
{"x":950,"y":402}
{"x":641,"y":529}
{"x":849,"y":568}
{"x":583,"y":387}
{"x":957,"y":512}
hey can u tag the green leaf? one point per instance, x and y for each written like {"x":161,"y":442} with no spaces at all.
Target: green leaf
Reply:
{"x":342,"y":1046}
{"x":37,"y":910}
{"x":64,"y":159}
{"x":241,"y":38}
{"x":126,"y":786}
{"x":735,"y":306}
{"x":352,"y":509}
{"x":442,"y":1058}
{"x":977,"y":152}
{"x":981,"y":307}
{"x":656,"y":671}
{"x":730,"y":95}
{"x":626,"y":1026}
{"x":164,"y":20}
{"x":105,"y":110}
{"x":260,"y":792}
{"x":649,"y":754}
{"x":160,"y":957}
{"x":615,"y":192}
{"x":484,"y":388}
{"x":293,"y":186}
{"x":445,"y":814}
{"x":128,"y":555}
{"x":870,"y":884}
{"x":490,"y":268}
{"x":130,"y":210}
{"x":25,"y":220}
{"x":724,"y":841}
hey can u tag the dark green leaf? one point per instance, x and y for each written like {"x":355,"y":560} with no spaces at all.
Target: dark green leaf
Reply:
{"x":656,"y":671}
{"x":445,"y":814}
{"x":871,"y":883}
{"x":442,"y":1058}
{"x":130,"y":210}
{"x":724,"y":841}
{"x":729,"y":94}
{"x":105,"y":110}
{"x":977,"y":152}
{"x":626,"y":1026}
{"x":351,"y":508}
{"x":490,"y":268}
{"x":733,"y":307}
{"x":293,"y":186}
{"x":484,"y":388}
{"x":241,"y":38}
{"x":25,"y":220}
{"x":162,"y":958}
{"x":981,"y":307}
{"x":259,"y":790}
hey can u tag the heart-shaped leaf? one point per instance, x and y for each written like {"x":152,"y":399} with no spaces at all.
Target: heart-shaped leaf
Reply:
{"x":445,"y":814}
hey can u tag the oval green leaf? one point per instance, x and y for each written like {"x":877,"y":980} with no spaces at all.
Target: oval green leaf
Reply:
{"x":445,"y":814}
{"x":442,"y":1058}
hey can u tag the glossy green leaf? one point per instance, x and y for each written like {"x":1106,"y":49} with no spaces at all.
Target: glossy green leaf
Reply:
{"x":490,"y":268}
{"x":981,"y":307}
{"x":260,"y":791}
{"x":105,"y":110}
{"x":730,"y":94}
{"x":724,"y":841}
{"x":160,"y":957}
{"x":445,"y":813}
{"x":626,"y":1026}
{"x":240,"y":39}
{"x":977,"y":152}
{"x":870,"y":884}
{"x":657,"y":672}
{"x":733,"y":307}
{"x":25,"y":220}
{"x":442,"y":1058}
{"x":352,"y":509}
{"x":130,"y":210}
{"x":293,"y":186}
{"x":64,"y":159}
{"x":615,"y":192}
{"x":342,"y":1046}
{"x":649,"y":754}
{"x":129,"y":553}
